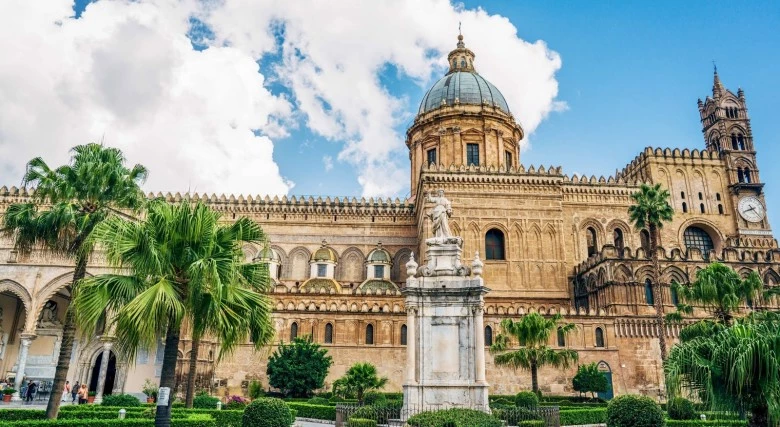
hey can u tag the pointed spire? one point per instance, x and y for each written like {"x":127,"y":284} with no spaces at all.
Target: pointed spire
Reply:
{"x":461,"y":59}
{"x":717,"y":86}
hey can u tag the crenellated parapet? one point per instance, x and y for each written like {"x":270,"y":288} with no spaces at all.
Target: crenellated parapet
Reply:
{"x":636,"y":169}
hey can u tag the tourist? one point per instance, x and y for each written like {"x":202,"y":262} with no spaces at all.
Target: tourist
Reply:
{"x":66,"y":391}
{"x":74,"y":392}
{"x":31,"y":388}
{"x":83,"y":393}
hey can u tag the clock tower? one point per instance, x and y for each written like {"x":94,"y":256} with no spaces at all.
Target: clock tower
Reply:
{"x":726,"y":129}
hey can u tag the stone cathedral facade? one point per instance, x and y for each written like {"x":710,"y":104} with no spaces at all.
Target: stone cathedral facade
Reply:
{"x":550,"y":243}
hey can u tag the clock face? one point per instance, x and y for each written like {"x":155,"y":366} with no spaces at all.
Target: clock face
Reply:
{"x":751,"y":209}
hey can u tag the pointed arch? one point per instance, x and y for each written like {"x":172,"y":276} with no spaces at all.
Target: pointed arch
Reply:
{"x":298,"y":266}
{"x":350,"y":268}
{"x":674,"y":273}
{"x":398,"y":272}
{"x":623,"y":274}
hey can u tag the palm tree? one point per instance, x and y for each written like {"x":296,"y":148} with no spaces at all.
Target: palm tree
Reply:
{"x":77,"y":198}
{"x":719,"y":290}
{"x":735,"y":368}
{"x":182,"y":263}
{"x":651,"y":210}
{"x":359,"y":379}
{"x":533,"y":332}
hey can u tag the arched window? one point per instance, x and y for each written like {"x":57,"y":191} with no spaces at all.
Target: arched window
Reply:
{"x":618,"y":236}
{"x":644,"y":240}
{"x":741,"y":141}
{"x":748,"y":178}
{"x":599,"y":337}
{"x":403,"y":335}
{"x":462,"y":63}
{"x":649,"y":299}
{"x":675,"y":297}
{"x":701,"y":196}
{"x":494,"y":244}
{"x":561,"y":338}
{"x":682,"y":194}
{"x":590,"y":235}
{"x":740,"y":175}
{"x":329,"y":333}
{"x":720,"y":209}
{"x":695,"y":237}
{"x":717,"y":196}
{"x":488,"y":336}
{"x":701,"y":207}
{"x":734,"y":142}
{"x":293,"y":331}
{"x":369,"y":334}
{"x":685,"y":207}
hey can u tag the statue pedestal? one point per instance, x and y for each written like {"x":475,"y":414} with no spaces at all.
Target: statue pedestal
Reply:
{"x":446,"y":359}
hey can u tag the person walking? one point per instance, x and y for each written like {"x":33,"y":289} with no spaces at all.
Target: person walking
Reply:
{"x":74,"y":392}
{"x":31,"y":388}
{"x":66,"y":391}
{"x":83,"y":393}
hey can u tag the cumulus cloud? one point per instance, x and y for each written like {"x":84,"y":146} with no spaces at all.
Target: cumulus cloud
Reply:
{"x":203,"y":120}
{"x":126,"y":73}
{"x":327,"y":161}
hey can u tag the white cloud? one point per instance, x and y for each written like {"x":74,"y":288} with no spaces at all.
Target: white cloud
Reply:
{"x":327,"y":161}
{"x":333,"y":52}
{"x":127,"y":74}
{"x":126,"y":71}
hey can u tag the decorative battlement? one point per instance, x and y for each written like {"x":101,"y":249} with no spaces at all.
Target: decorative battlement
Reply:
{"x":492,"y":169}
{"x":632,"y":170}
{"x":727,"y":255}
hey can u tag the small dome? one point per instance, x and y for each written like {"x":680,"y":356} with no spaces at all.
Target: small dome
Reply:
{"x":461,"y":87}
{"x":267,"y":254}
{"x":378,"y":255}
{"x":325,"y":253}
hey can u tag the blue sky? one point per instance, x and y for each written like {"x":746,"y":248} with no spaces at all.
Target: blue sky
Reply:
{"x":339,"y":88}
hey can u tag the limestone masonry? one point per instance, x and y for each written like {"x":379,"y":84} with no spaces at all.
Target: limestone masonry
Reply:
{"x":549,"y":242}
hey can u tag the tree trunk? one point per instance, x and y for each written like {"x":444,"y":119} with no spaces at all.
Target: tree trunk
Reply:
{"x":193,"y":368}
{"x":534,"y":378}
{"x":657,"y":290}
{"x":759,"y":417}
{"x":168,"y":375}
{"x":66,"y":347}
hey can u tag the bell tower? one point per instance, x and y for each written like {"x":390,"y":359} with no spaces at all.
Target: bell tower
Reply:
{"x":727,"y":132}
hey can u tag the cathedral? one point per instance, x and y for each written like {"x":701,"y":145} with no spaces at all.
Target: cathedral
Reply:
{"x":550,"y":243}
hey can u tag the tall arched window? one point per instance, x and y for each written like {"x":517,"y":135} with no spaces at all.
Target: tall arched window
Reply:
{"x":561,"y":338}
{"x":740,"y":175}
{"x":329,"y":333}
{"x":599,"y":337}
{"x":734,"y":142}
{"x":644,"y":240}
{"x":695,"y":237}
{"x":701,"y":207}
{"x":488,"y":336}
{"x":494,"y":244}
{"x":748,"y":178}
{"x":741,"y":141}
{"x":618,"y":236}
{"x":720,"y":209}
{"x":403,"y":335}
{"x":590,"y":235}
{"x":293,"y":331}
{"x":701,"y":196}
{"x":649,"y":299}
{"x":369,"y":334}
{"x":685,"y":207}
{"x":675,"y":297}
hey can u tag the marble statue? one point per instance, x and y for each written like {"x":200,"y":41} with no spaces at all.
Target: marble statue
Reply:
{"x":440,"y":215}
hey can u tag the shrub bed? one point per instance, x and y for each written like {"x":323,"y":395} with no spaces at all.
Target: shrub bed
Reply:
{"x":697,"y":423}
{"x":634,"y":411}
{"x":681,"y":409}
{"x":267,"y":412}
{"x":573,"y":417}
{"x":454,"y":418}
{"x":360,"y":422}
{"x":318,"y":412}
{"x":124,"y":400}
{"x":192,"y":421}
{"x":224,"y":418}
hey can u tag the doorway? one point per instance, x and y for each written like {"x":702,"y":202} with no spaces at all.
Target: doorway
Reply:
{"x":607,"y":371}
{"x":110,"y":373}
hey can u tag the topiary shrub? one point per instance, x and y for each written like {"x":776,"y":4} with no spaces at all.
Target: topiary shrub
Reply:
{"x":680,"y":408}
{"x":360,"y":422}
{"x":204,"y":401}
{"x":318,"y":401}
{"x":120,"y":400}
{"x":236,"y":403}
{"x":267,"y":412}
{"x":634,"y":411}
{"x":374,"y":398}
{"x":526,"y":399}
{"x":454,"y":418}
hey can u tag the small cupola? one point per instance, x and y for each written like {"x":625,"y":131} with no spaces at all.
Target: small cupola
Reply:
{"x":378,"y":263}
{"x":461,"y":59}
{"x":323,"y":262}
{"x":269,"y":256}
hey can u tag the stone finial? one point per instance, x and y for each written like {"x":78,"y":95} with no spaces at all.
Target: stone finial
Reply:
{"x":476,"y":265}
{"x":411,"y":266}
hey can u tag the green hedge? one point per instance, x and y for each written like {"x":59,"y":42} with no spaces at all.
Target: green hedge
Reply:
{"x":224,"y":418}
{"x":454,"y":418}
{"x":192,"y":421}
{"x":696,"y":423}
{"x":361,"y":422}
{"x":79,"y":408}
{"x":318,"y":412}
{"x":531,"y":423}
{"x":120,"y":400}
{"x":573,"y":417}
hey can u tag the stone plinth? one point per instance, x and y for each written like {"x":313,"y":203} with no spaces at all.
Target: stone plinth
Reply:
{"x":446,"y":351}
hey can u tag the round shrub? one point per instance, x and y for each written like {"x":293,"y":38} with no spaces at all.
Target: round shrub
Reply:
{"x":360,"y":422}
{"x":267,"y":412}
{"x":125,"y":400}
{"x":318,"y":401}
{"x":634,"y":411}
{"x":374,"y":398}
{"x":526,"y":399}
{"x":204,"y":401}
{"x":680,"y":408}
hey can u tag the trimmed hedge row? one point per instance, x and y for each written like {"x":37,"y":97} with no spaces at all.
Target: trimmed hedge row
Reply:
{"x":361,"y":422}
{"x":223,"y":418}
{"x":192,"y":421}
{"x":572,"y":417}
{"x":319,"y":412}
{"x":697,"y":423}
{"x":454,"y":418}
